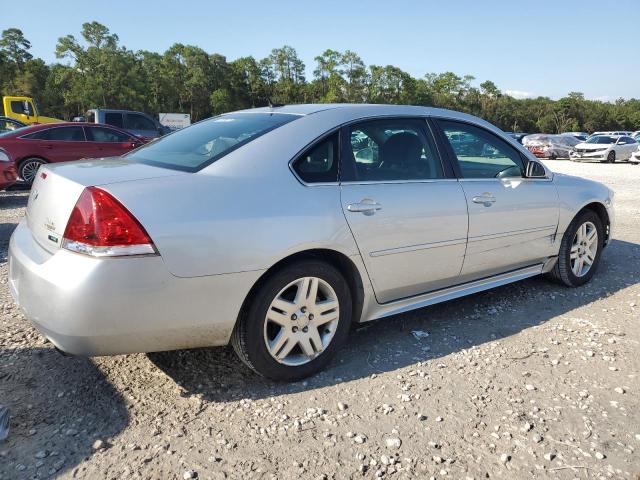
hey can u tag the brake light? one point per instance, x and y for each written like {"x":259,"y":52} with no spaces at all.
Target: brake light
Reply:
{"x":101,"y":226}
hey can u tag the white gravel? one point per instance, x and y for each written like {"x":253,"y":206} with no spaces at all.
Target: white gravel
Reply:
{"x":374,"y":413}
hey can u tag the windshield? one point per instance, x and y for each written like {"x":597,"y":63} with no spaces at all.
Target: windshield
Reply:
{"x":601,"y":139}
{"x":201,"y":144}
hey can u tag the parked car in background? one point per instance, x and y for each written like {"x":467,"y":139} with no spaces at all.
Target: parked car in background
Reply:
{"x":517,"y":135}
{"x":25,"y":110}
{"x":606,"y":148}
{"x":137,"y":123}
{"x":614,"y":132}
{"x":150,"y":251}
{"x":635,"y":156}
{"x":636,"y":135}
{"x":543,"y":145}
{"x":8,"y":173}
{"x":31,"y":147}
{"x":10,"y":124}
{"x":582,"y":136}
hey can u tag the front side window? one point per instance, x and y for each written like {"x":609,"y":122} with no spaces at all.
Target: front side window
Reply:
{"x":22,"y":107}
{"x":135,"y":121}
{"x":319,"y":164}
{"x":480,"y":153}
{"x":388,"y":150}
{"x":201,"y":144}
{"x":107,"y":135}
{"x":112,"y":118}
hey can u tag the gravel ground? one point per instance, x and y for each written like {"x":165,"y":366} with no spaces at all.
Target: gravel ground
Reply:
{"x":530,"y":380}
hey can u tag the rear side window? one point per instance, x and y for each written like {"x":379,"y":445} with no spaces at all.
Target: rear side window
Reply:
{"x":201,"y":144}
{"x":135,"y":121}
{"x":480,"y":153}
{"x":64,"y":134}
{"x":115,"y":119}
{"x":388,"y":150}
{"x":106,"y":135}
{"x":319,"y":164}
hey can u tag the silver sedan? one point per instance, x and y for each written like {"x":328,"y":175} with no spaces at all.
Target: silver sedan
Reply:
{"x":275,"y":229}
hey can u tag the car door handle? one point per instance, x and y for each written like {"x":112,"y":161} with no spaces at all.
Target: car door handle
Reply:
{"x":366,"y":206}
{"x":49,"y":147}
{"x":485,"y":199}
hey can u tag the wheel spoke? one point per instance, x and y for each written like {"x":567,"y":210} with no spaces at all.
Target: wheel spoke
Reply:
{"x":282,"y":345}
{"x":307,"y":348}
{"x":284,"y":305}
{"x":588,"y":259}
{"x":303,"y":290}
{"x":282,"y":319}
{"x":574,"y":252}
{"x":591,"y":236}
{"x":316,"y":341}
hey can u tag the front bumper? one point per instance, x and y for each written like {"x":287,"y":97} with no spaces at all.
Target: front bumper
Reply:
{"x":90,"y":306}
{"x":8,"y":174}
{"x":590,"y":155}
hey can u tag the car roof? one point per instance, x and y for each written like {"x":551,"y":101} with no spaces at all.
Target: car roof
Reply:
{"x":352,"y":111}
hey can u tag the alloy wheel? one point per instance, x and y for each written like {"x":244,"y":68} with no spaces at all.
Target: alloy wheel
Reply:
{"x":584,"y":249}
{"x":301,"y":321}
{"x":29,"y":169}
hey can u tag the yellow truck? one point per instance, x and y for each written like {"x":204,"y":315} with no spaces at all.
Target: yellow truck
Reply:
{"x":24,"y":110}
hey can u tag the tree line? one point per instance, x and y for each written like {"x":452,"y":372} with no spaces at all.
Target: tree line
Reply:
{"x":100,"y":72}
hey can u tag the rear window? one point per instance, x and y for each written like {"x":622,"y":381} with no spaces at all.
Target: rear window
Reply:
{"x":201,"y":144}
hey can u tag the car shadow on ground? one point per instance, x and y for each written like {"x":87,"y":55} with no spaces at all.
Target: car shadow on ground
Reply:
{"x":390,"y":344}
{"x":73,"y":385}
{"x":15,"y":199}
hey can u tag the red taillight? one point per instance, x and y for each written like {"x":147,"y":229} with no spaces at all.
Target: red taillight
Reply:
{"x":100,"y":225}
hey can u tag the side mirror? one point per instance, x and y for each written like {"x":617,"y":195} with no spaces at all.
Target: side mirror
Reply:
{"x":535,"y":170}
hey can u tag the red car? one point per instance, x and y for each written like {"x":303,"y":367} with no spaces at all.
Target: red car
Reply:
{"x":30,"y":147}
{"x":8,"y":173}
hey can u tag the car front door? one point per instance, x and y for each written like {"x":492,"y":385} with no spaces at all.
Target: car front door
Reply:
{"x":512,"y":219}
{"x":109,"y":142}
{"x":407,"y":213}
{"x":140,"y":125}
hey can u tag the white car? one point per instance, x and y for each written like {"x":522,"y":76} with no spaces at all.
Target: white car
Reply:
{"x":616,"y":132}
{"x":605,"y":148}
{"x":635,"y":156}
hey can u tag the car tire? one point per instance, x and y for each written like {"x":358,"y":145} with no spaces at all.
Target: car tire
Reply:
{"x":258,"y":339}
{"x":28,"y":169}
{"x":564,"y":271}
{"x":611,"y":157}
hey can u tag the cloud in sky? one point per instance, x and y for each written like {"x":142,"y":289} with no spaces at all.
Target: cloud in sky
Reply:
{"x":520,"y":94}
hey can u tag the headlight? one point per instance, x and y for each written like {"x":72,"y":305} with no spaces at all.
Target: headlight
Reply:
{"x":4,"y":156}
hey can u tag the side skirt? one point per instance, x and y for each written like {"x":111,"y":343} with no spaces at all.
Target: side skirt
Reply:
{"x":450,"y":293}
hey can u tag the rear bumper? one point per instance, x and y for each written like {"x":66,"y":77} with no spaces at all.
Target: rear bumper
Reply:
{"x":89,"y":306}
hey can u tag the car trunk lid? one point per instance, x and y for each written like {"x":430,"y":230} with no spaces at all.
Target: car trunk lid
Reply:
{"x":56,"y":190}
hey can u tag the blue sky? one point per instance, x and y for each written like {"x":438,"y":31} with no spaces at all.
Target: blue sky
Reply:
{"x":529,"y":48}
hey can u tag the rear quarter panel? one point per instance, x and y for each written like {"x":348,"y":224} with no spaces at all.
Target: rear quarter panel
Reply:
{"x":210,"y":225}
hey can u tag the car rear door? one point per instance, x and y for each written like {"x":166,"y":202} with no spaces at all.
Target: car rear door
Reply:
{"x":407,"y":213}
{"x":62,"y":144}
{"x":512,"y":219}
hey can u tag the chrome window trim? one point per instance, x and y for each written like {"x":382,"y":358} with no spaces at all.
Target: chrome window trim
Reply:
{"x":337,"y":129}
{"x":377,"y":182}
